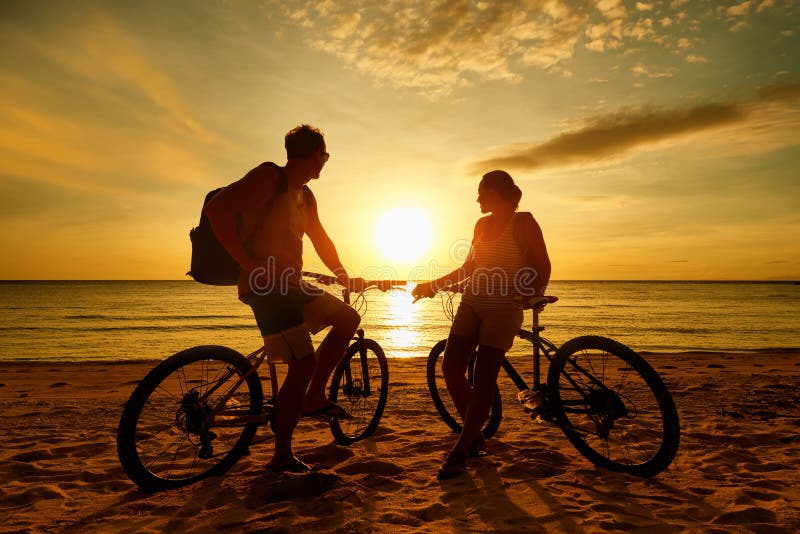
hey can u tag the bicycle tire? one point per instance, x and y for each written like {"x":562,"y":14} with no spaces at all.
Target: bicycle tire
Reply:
{"x":163,"y":439}
{"x":444,"y":404}
{"x":348,"y":388}
{"x":613,"y":406}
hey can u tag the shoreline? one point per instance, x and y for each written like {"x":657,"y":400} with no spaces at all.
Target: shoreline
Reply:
{"x":736,"y":469}
{"x":655,"y":354}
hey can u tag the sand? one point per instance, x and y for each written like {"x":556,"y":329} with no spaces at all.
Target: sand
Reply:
{"x":737,"y":469}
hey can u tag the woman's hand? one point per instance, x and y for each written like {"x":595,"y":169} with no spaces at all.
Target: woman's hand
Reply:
{"x":423,"y":290}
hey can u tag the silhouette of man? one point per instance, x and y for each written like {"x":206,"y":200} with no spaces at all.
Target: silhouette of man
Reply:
{"x":261,"y":220}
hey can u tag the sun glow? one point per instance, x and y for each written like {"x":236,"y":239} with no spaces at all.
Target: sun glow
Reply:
{"x":403,"y":234}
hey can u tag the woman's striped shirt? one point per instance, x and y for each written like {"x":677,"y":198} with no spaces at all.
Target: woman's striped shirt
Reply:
{"x":497,"y":262}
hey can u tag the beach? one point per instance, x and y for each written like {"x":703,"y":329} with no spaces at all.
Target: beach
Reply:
{"x":737,"y":468}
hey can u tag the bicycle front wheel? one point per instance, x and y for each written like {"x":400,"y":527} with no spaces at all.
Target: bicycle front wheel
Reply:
{"x":360,"y":385}
{"x":613,"y":407}
{"x":444,"y":403}
{"x":173,"y":431}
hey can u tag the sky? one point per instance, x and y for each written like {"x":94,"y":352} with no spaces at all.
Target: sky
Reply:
{"x":651,"y":140}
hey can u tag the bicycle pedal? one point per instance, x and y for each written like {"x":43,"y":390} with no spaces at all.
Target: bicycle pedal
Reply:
{"x":531,"y":401}
{"x":536,"y":417}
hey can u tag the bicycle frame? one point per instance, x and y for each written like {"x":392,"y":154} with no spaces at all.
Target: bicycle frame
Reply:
{"x":258,"y":356}
{"x":541,"y":347}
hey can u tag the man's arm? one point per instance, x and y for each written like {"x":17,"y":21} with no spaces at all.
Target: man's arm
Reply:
{"x":323,"y":244}
{"x":224,"y":209}
{"x":537,"y":253}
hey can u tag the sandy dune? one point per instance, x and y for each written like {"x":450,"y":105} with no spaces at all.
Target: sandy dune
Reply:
{"x":737,"y":469}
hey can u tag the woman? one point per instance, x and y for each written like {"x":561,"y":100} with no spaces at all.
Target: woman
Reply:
{"x":507,"y":264}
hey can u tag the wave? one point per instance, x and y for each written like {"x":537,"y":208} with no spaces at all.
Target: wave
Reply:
{"x":170,"y":328}
{"x":106,"y":317}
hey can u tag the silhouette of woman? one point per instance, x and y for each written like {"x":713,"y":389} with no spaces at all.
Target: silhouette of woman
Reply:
{"x":508,"y":263}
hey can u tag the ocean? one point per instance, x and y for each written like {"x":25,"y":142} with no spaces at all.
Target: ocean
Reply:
{"x":150,"y":320}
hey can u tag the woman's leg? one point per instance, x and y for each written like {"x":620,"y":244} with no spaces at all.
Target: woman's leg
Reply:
{"x":454,"y":368}
{"x":487,"y":368}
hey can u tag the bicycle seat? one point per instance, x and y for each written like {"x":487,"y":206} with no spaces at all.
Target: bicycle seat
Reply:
{"x":540,"y":302}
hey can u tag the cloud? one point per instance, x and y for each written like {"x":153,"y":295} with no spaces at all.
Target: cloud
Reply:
{"x":739,"y":10}
{"x":105,"y":54}
{"x":766,"y":4}
{"x":436,"y":47}
{"x":95,"y":113}
{"x":691,"y":58}
{"x":619,"y":133}
{"x":642,"y":70}
{"x":739,"y":26}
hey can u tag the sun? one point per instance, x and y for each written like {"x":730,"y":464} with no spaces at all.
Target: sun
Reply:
{"x":403,"y":234}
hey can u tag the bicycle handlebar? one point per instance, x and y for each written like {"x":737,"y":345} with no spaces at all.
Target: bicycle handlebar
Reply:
{"x":536,"y":302}
{"x":383,"y":285}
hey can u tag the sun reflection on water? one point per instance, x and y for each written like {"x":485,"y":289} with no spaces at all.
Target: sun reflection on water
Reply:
{"x":403,"y":320}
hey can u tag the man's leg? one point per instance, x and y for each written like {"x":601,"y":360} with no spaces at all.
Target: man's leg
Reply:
{"x":345,"y":322}
{"x":288,"y":403}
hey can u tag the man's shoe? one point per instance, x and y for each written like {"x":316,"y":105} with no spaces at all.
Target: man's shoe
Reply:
{"x":329,"y":411}
{"x":452,"y":467}
{"x":294,"y":465}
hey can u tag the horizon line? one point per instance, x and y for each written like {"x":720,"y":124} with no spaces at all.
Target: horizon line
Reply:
{"x":687,"y":280}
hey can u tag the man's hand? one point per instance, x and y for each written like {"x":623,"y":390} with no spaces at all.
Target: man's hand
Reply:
{"x":423,"y":290}
{"x":355,"y":285}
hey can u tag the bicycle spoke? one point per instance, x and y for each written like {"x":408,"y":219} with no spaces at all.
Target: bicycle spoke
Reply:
{"x":362,"y":394}
{"x":170,"y":439}
{"x":610,"y":409}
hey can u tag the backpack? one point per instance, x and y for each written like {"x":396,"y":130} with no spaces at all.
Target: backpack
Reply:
{"x":211,"y":264}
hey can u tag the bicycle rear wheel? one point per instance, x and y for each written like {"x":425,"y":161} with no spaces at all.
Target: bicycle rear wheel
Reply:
{"x":360,"y":385}
{"x":613,"y":407}
{"x":444,"y":403}
{"x":170,"y":433}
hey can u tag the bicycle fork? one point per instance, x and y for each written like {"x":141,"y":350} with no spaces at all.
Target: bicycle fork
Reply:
{"x":360,"y":387}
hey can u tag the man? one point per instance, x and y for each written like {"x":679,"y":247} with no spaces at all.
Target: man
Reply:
{"x":261,"y":220}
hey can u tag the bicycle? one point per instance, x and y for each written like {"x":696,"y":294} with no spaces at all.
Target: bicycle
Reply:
{"x":610,"y":403}
{"x":196,"y":413}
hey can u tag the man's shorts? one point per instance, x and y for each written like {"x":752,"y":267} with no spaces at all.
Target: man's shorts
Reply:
{"x":493,"y":327}
{"x":288,"y":318}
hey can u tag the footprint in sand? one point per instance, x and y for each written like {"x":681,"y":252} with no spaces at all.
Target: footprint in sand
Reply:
{"x":374,"y":467}
{"x":32,"y":456}
{"x":762,"y":495}
{"x":747,"y":516}
{"x":328,"y":455}
{"x":288,"y":487}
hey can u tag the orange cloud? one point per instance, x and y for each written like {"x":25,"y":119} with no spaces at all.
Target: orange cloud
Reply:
{"x":619,"y":133}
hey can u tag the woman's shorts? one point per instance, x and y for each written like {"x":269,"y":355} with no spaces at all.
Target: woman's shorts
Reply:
{"x":493,"y":327}
{"x":287,"y":319}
